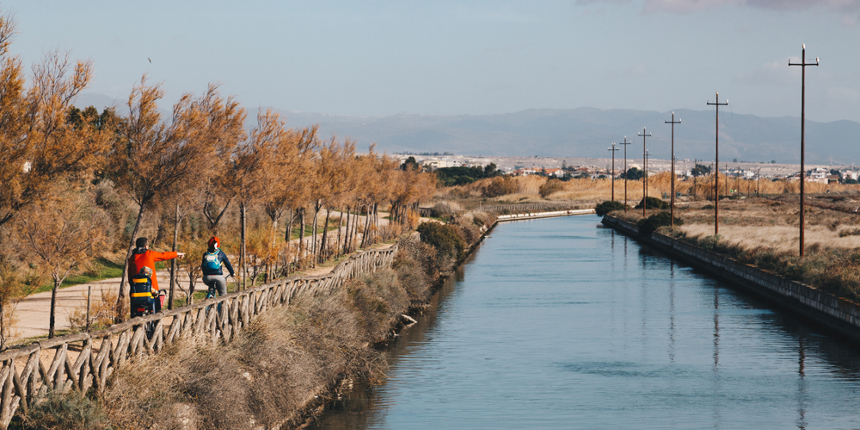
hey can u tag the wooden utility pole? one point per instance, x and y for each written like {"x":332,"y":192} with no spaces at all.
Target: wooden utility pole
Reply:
{"x":672,"y":201}
{"x":802,"y":65}
{"x":612,"y":151}
{"x":717,"y":104}
{"x":625,"y":143}
{"x":644,"y":172}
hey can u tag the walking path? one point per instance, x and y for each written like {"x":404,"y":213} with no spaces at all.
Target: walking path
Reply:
{"x":31,"y":317}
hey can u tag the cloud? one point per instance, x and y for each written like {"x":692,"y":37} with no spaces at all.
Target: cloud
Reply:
{"x":776,"y":73}
{"x":836,"y":5}
{"x":585,"y":2}
{"x":685,"y":6}
{"x":850,"y":8}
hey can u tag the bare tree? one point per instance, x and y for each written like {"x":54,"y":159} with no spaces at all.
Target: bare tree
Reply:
{"x":63,"y":235}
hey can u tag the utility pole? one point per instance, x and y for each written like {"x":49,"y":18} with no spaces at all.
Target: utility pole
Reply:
{"x":645,"y":172}
{"x":717,"y":165}
{"x":758,"y":182}
{"x":695,"y":176}
{"x":738,"y":176}
{"x":625,"y":143}
{"x":672,"y":201}
{"x":802,"y":65}
{"x":612,"y":151}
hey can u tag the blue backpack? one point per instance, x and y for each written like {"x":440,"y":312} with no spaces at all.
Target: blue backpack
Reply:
{"x":212,"y":261}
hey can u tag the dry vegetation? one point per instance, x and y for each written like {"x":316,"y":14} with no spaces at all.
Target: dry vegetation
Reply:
{"x":765,"y":232}
{"x":531,"y":189}
{"x":282,"y":367}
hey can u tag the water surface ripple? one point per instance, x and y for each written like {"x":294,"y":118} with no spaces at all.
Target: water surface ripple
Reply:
{"x":558,"y":324}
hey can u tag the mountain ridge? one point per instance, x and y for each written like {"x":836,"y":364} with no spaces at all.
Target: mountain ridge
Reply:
{"x":584,"y":132}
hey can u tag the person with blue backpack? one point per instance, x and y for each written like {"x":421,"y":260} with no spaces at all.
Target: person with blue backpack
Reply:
{"x":213,"y":261}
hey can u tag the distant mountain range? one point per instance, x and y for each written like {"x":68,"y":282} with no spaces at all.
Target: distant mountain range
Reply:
{"x":584,"y":132}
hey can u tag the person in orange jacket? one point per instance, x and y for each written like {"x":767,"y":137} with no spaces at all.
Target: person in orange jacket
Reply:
{"x":141,"y":256}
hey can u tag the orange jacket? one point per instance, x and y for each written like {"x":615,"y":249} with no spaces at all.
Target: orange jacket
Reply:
{"x":148,"y":259}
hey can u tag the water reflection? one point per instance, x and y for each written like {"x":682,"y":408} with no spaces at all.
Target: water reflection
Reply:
{"x":556,"y":324}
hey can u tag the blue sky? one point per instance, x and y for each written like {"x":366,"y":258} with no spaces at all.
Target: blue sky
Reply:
{"x":465,"y":57}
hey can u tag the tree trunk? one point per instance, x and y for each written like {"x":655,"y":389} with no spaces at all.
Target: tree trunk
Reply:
{"x":243,"y":255}
{"x":190,"y":298}
{"x":375,"y":222}
{"x":273,"y":260}
{"x":365,"y":239}
{"x":322,"y":255}
{"x":53,"y":306}
{"x":121,"y":297}
{"x":173,"y":265}
{"x":345,"y":234}
{"x":2,"y":326}
{"x":287,"y":237}
{"x":301,"y":233}
{"x":314,"y":238}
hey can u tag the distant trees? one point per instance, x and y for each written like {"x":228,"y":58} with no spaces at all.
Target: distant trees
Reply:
{"x":448,"y":176}
{"x":633,"y":174}
{"x":700,"y":170}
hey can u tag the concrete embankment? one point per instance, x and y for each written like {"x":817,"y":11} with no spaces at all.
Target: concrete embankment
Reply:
{"x":820,"y":308}
{"x":535,"y":215}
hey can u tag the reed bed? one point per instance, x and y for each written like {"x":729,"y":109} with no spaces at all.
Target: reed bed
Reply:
{"x":527,"y":188}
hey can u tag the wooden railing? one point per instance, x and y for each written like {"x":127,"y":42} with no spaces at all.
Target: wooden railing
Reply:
{"x":86,"y":360}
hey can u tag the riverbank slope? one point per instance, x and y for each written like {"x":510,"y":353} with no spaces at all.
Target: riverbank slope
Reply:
{"x":821,"y":308}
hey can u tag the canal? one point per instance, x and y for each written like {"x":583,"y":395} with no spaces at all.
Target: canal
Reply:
{"x":559,"y":324}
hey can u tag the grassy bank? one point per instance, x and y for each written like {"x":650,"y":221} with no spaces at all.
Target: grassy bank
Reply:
{"x":284,"y":365}
{"x":765,"y":232}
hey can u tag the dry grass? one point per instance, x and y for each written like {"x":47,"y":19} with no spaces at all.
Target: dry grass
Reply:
{"x":765,"y":232}
{"x":277,"y":365}
{"x":102,"y":311}
{"x":272,"y":368}
{"x":590,"y":191}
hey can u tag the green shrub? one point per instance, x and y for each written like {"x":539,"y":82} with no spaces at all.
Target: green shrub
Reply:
{"x":445,"y":238}
{"x":66,"y":411}
{"x":608,"y":206}
{"x":652,"y":223}
{"x":711,"y":242}
{"x":653,"y":203}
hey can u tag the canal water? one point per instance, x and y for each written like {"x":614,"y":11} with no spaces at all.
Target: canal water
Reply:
{"x":560,"y":324}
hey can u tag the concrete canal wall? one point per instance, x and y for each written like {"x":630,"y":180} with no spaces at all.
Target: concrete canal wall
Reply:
{"x":516,"y":217}
{"x":819,"y":307}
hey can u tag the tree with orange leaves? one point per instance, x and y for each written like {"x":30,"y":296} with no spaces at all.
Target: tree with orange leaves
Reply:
{"x":252,"y":167}
{"x":37,"y":144}
{"x":151,"y":156}
{"x":63,"y":234}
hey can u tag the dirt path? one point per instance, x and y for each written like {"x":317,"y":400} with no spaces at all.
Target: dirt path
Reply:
{"x":31,"y":317}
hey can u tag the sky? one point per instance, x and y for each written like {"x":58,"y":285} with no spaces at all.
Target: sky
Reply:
{"x":377,"y":58}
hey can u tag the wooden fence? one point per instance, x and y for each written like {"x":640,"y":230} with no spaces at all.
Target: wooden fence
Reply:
{"x":87,"y":360}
